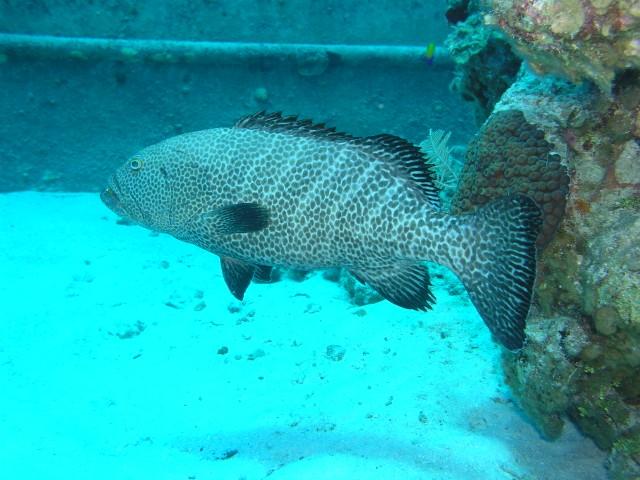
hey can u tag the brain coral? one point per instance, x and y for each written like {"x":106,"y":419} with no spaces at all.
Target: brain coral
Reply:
{"x":510,"y":155}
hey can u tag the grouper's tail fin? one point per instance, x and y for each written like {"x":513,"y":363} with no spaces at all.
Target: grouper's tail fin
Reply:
{"x":500,"y":271}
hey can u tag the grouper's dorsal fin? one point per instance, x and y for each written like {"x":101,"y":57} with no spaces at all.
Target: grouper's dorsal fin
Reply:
{"x":409,"y":159}
{"x":292,"y":125}
{"x":411,"y":162}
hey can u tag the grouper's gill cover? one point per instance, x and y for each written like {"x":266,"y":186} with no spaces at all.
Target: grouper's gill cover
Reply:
{"x":278,"y":191}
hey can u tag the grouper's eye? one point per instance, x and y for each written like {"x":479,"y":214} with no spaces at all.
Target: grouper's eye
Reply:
{"x":135,"y":164}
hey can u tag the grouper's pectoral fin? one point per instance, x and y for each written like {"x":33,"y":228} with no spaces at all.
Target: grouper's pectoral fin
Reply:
{"x":236,"y":218}
{"x":237,"y":274}
{"x":407,"y":286}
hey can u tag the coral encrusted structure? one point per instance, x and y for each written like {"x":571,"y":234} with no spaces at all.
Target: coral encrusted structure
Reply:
{"x":582,"y":357}
{"x":581,"y":360}
{"x":485,"y":62}
{"x":579,"y":39}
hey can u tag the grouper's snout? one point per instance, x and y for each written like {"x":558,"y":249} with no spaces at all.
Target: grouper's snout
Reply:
{"x":110,"y":199}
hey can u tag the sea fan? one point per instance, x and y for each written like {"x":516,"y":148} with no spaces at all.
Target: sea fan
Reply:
{"x":446,"y":166}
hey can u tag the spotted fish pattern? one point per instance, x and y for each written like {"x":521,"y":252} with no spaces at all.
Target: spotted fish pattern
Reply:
{"x":278,"y":191}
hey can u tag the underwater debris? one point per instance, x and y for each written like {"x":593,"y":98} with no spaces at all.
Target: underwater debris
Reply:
{"x":235,"y":307}
{"x":510,"y":155}
{"x":130,"y":331}
{"x":257,"y":353}
{"x":312,"y":64}
{"x":359,"y":294}
{"x":335,"y":352}
{"x":227,"y":454}
{"x":261,"y":95}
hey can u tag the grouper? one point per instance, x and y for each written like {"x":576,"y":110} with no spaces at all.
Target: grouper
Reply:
{"x":274,"y":190}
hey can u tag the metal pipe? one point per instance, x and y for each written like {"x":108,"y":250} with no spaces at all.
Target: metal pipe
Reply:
{"x":184,"y":51}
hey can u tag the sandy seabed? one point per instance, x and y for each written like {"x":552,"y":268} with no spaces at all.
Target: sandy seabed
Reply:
{"x":113,"y":366}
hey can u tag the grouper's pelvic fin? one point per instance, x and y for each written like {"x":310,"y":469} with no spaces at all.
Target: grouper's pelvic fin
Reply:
{"x":408,"y":286}
{"x":499,"y":273}
{"x":238,"y":275}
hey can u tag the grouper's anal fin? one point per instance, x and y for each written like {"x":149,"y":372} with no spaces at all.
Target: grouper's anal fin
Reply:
{"x":237,"y":274}
{"x":406,"y":286}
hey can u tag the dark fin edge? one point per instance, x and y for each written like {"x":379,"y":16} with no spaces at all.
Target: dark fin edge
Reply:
{"x":413,"y":163}
{"x":406,"y":286}
{"x":276,"y":122}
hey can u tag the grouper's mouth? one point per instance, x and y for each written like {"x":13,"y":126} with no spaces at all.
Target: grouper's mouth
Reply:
{"x":111,"y":200}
